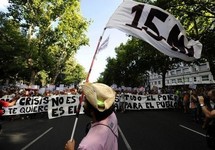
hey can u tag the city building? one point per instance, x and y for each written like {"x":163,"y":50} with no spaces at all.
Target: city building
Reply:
{"x":184,"y":75}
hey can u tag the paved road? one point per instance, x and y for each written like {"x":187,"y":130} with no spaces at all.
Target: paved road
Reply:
{"x":143,"y":130}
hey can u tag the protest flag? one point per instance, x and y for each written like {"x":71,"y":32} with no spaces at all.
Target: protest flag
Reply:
{"x":87,"y":80}
{"x":157,"y":27}
{"x":103,"y":45}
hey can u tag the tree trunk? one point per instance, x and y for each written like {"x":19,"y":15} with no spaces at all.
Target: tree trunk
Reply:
{"x":163,"y":79}
{"x":30,"y":60}
{"x":212,"y":68}
{"x":32,"y":79}
{"x":54,"y":78}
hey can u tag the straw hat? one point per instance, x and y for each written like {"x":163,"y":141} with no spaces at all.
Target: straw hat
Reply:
{"x":99,"y":95}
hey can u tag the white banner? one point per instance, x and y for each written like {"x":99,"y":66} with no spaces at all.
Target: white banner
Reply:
{"x":138,"y":102}
{"x":28,"y":105}
{"x":157,"y":27}
{"x":64,"y":105}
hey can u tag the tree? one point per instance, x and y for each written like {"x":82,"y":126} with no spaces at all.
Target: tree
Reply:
{"x":131,"y":66}
{"x":208,"y":52}
{"x":198,"y":19}
{"x":73,"y":72}
{"x":111,"y":73}
{"x":54,"y":29}
{"x":127,"y":68}
{"x":133,"y":61}
{"x":13,"y":46}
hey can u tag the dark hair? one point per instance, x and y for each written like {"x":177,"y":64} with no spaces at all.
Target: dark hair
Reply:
{"x":101,"y":115}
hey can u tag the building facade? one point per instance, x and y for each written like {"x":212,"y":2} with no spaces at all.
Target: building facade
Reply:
{"x":184,"y":75}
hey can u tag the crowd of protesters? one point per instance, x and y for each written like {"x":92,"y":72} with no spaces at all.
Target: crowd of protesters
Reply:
{"x":187,"y":97}
{"x":187,"y":101}
{"x":7,"y":93}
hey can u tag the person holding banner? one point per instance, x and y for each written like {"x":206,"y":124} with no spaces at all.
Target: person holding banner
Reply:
{"x":99,"y":105}
{"x":7,"y":104}
{"x":122,"y":101}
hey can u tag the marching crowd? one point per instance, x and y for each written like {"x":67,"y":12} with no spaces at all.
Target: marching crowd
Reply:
{"x":189,"y":102}
{"x":198,"y":102}
{"x":187,"y":98}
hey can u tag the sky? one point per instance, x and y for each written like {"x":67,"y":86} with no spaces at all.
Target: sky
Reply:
{"x":99,"y":11}
{"x":3,"y":5}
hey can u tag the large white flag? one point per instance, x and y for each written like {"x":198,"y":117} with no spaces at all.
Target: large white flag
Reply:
{"x":103,"y":45}
{"x":157,"y":27}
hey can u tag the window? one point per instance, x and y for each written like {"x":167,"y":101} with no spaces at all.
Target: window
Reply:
{"x":203,"y":64}
{"x":205,"y":78}
{"x":167,"y":82}
{"x":173,"y":81}
{"x":186,"y":70}
{"x":203,"y":67}
{"x":193,"y":69}
{"x":186,"y":79}
{"x":179,"y":80}
{"x":178,"y":72}
{"x":172,"y":72}
{"x":194,"y":79}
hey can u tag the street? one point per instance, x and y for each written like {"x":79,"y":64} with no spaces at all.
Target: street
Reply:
{"x":142,"y":130}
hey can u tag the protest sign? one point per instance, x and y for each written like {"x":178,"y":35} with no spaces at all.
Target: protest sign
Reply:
{"x":63,"y":105}
{"x":28,"y":105}
{"x":138,"y":102}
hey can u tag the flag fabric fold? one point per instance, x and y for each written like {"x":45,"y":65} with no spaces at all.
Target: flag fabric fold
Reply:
{"x":157,"y":27}
{"x":103,"y":45}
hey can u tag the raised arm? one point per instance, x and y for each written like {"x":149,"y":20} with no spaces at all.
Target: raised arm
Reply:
{"x":13,"y":101}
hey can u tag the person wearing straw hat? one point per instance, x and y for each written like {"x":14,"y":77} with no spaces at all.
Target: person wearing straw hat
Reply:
{"x":99,"y":105}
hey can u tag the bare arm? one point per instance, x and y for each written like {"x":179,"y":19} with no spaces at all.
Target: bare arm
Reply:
{"x":13,"y":102}
{"x":208,"y":113}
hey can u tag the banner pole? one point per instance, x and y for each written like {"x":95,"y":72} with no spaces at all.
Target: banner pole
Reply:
{"x":87,"y":80}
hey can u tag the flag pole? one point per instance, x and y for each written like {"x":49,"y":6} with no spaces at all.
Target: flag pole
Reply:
{"x":87,"y":80}
{"x":94,"y":57}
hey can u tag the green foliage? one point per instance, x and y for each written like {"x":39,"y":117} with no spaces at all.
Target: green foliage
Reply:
{"x":74,"y":73}
{"x":12,"y":48}
{"x":195,"y":16}
{"x":134,"y":58}
{"x":53,"y":31}
{"x":208,"y":50}
{"x":133,"y":61}
{"x":42,"y":77}
{"x":198,"y":19}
